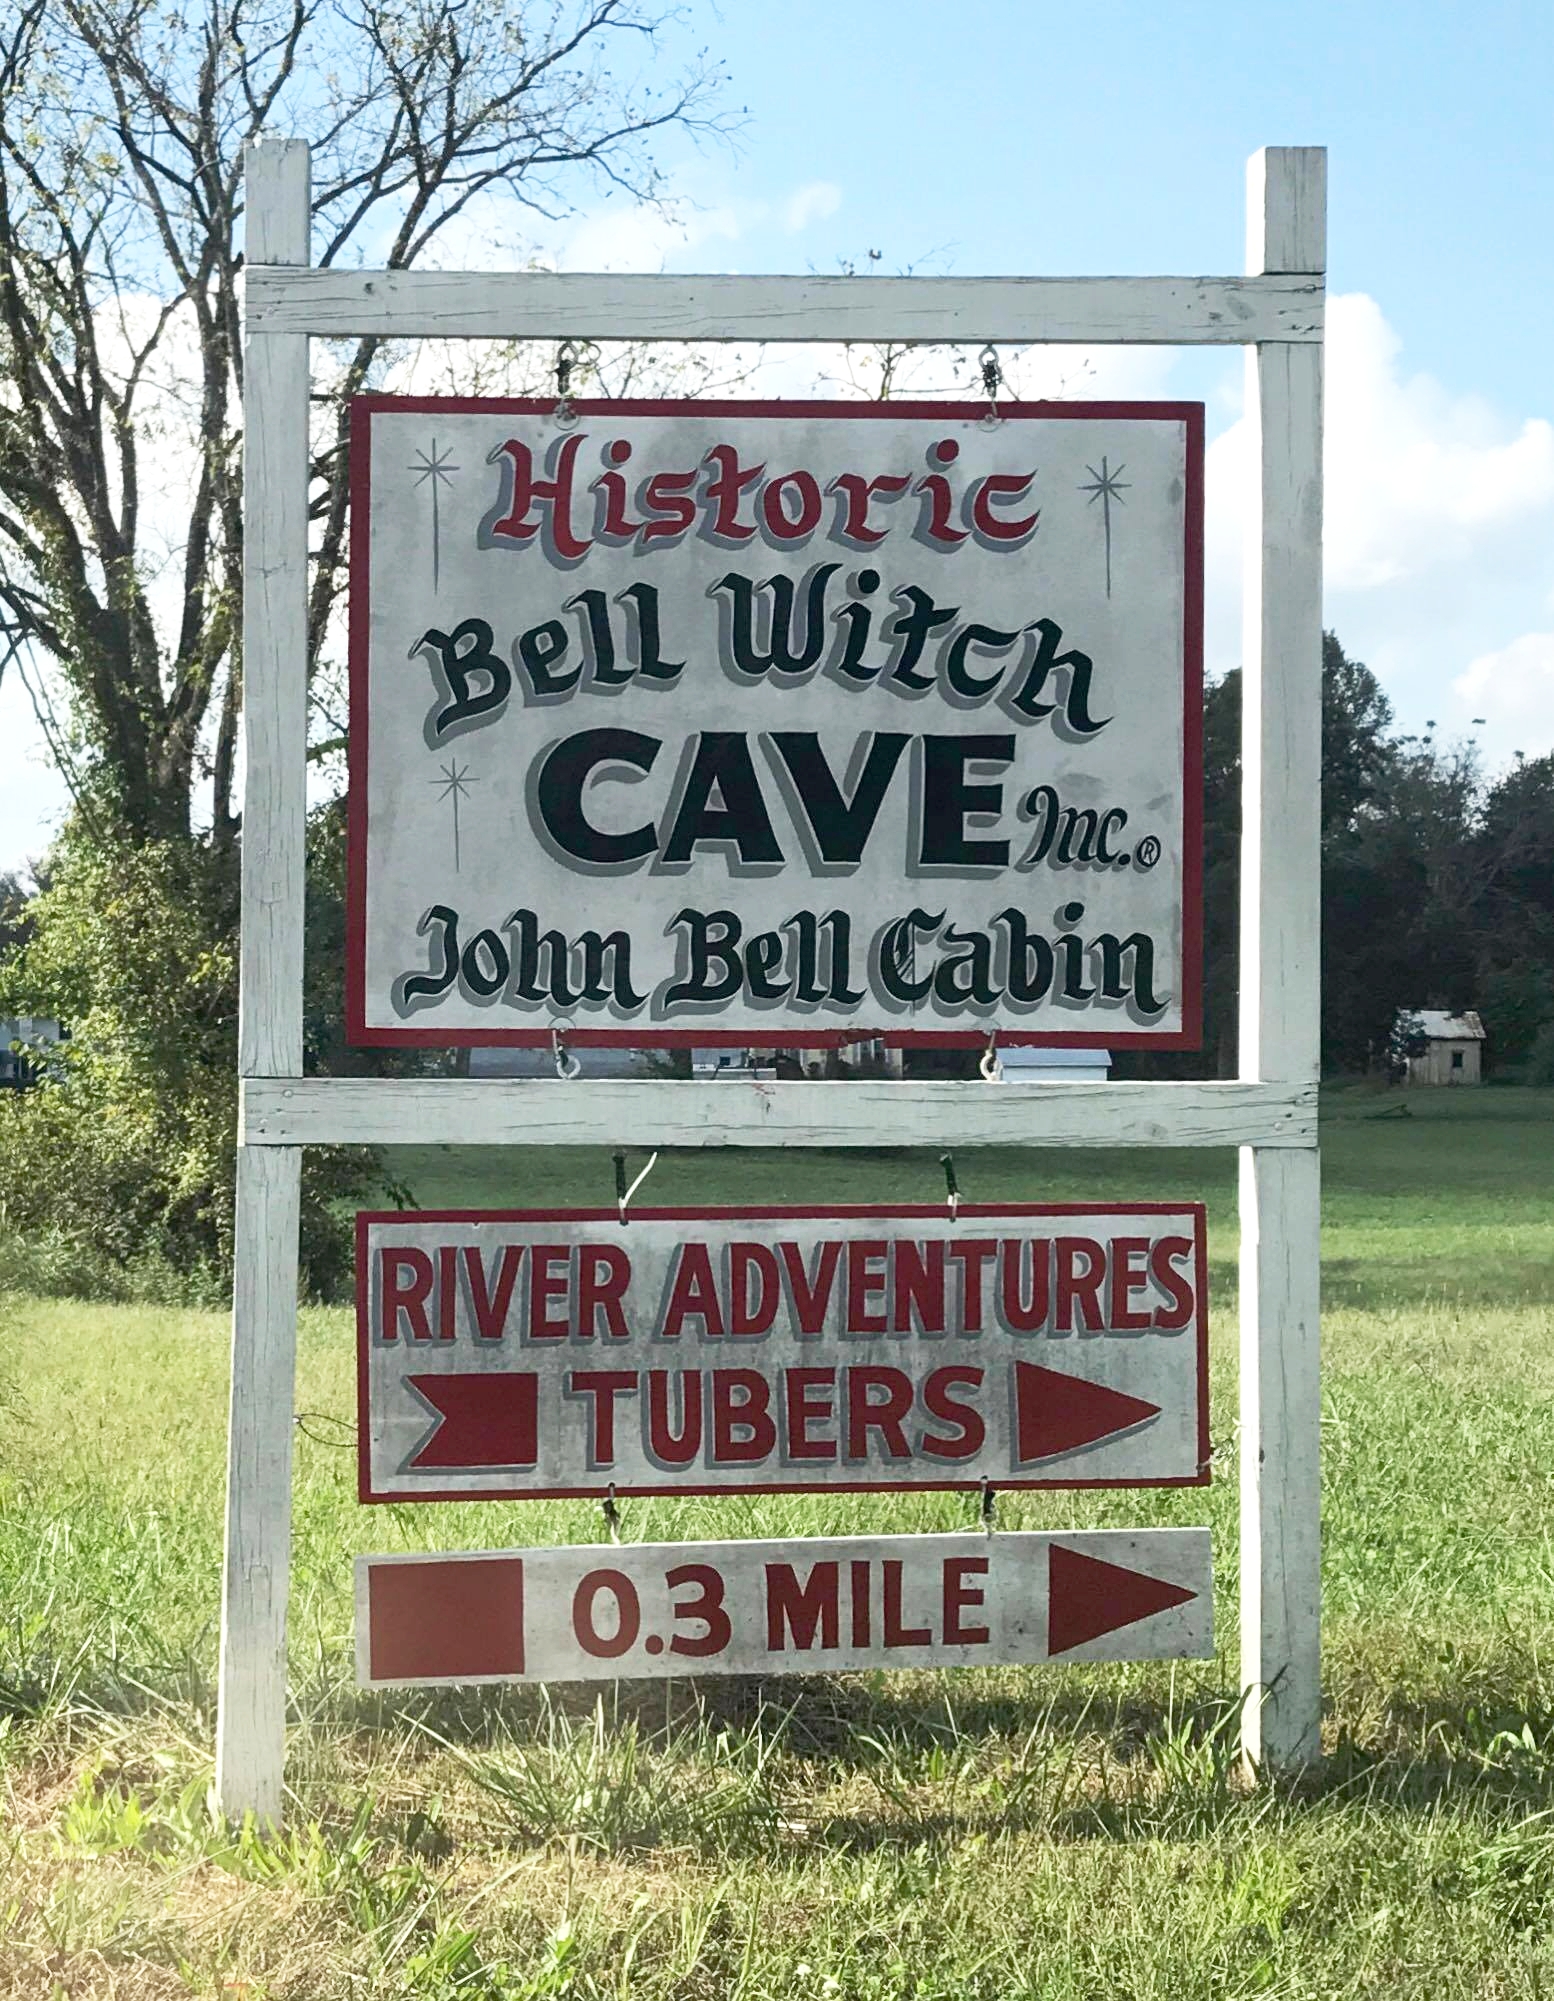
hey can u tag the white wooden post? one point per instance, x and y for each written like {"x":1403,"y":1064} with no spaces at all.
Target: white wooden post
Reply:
{"x":1280,"y":994}
{"x":251,"y":1716}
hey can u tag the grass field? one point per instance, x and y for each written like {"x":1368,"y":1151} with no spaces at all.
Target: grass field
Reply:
{"x":1007,"y":1833}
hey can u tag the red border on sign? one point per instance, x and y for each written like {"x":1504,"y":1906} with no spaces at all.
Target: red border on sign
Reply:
{"x":772,"y":1213}
{"x":357,"y":1032}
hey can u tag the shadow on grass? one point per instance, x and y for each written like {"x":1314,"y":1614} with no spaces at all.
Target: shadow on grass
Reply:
{"x":1077,"y":1765}
{"x":46,"y":1686}
{"x":858,"y":1763}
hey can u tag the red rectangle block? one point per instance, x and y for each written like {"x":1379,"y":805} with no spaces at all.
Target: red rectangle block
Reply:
{"x":445,"y":1620}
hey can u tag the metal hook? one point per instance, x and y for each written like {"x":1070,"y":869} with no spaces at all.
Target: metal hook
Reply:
{"x":611,"y":1513}
{"x":951,"y":1186}
{"x":988,"y":1506}
{"x":623,"y":1194}
{"x":991,"y":1068}
{"x":992,"y":382}
{"x":568,"y":355}
{"x":566,"y":360}
{"x":567,"y":1065}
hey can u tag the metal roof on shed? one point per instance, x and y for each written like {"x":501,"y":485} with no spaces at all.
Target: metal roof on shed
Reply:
{"x":1439,"y":1026}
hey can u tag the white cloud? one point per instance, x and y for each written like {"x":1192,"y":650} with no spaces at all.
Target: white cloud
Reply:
{"x":1415,"y":474}
{"x":1439,"y":519}
{"x":811,"y":203}
{"x":495,"y":232}
{"x":641,"y":238}
{"x":1513,"y":690}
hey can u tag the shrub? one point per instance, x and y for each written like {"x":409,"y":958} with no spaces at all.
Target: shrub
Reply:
{"x":119,"y":1164}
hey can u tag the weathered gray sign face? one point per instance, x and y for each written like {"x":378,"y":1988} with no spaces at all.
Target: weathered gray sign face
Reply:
{"x":529,"y":1355}
{"x":775,"y":723}
{"x":796,"y":1607}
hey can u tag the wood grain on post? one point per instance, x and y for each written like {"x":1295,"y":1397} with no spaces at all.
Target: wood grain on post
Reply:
{"x":1280,"y":991}
{"x":251,"y":1701}
{"x":251,"y":1711}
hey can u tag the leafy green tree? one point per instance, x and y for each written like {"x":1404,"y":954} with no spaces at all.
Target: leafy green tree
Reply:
{"x":1221,"y":870}
{"x":1400,"y":901}
{"x":126,"y":1152}
{"x":1358,"y":754}
{"x":1515,"y":851}
{"x":1358,"y":762}
{"x":1429,"y":891}
{"x":14,"y":898}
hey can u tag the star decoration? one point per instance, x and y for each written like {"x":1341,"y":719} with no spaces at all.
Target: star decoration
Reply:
{"x":455,"y":782}
{"x":438,"y":468}
{"x":1106,"y":487}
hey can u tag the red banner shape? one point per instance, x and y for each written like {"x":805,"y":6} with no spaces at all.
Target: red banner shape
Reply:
{"x":1086,"y":1598}
{"x":1060,"y":1413}
{"x":488,"y":1419}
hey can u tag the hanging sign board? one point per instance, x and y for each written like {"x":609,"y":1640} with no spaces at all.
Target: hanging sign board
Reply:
{"x":708,"y":723}
{"x":813,"y":1607}
{"x":554,"y":1354}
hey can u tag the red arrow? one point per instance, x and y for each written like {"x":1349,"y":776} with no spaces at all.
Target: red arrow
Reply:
{"x":484,"y":1420}
{"x":1059,"y":1413}
{"x":1086,"y":1598}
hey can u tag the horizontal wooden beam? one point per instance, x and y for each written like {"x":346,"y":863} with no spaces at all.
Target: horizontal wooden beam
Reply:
{"x":501,"y":1111}
{"x":556,"y":305}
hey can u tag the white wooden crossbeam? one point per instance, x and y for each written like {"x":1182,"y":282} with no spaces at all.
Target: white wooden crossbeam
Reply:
{"x":540,"y":305}
{"x":506,"y":1111}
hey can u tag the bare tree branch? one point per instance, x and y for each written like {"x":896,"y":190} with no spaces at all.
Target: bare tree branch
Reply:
{"x":122,"y":128}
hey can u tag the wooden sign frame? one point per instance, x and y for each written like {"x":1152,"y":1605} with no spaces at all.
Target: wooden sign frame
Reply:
{"x":1269,"y":1113}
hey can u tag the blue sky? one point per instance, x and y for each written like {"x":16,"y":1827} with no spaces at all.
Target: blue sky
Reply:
{"x":1031,"y":137}
{"x":1019,"y":136}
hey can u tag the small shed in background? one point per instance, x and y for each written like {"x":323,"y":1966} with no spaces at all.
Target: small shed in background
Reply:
{"x":1453,"y":1050}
